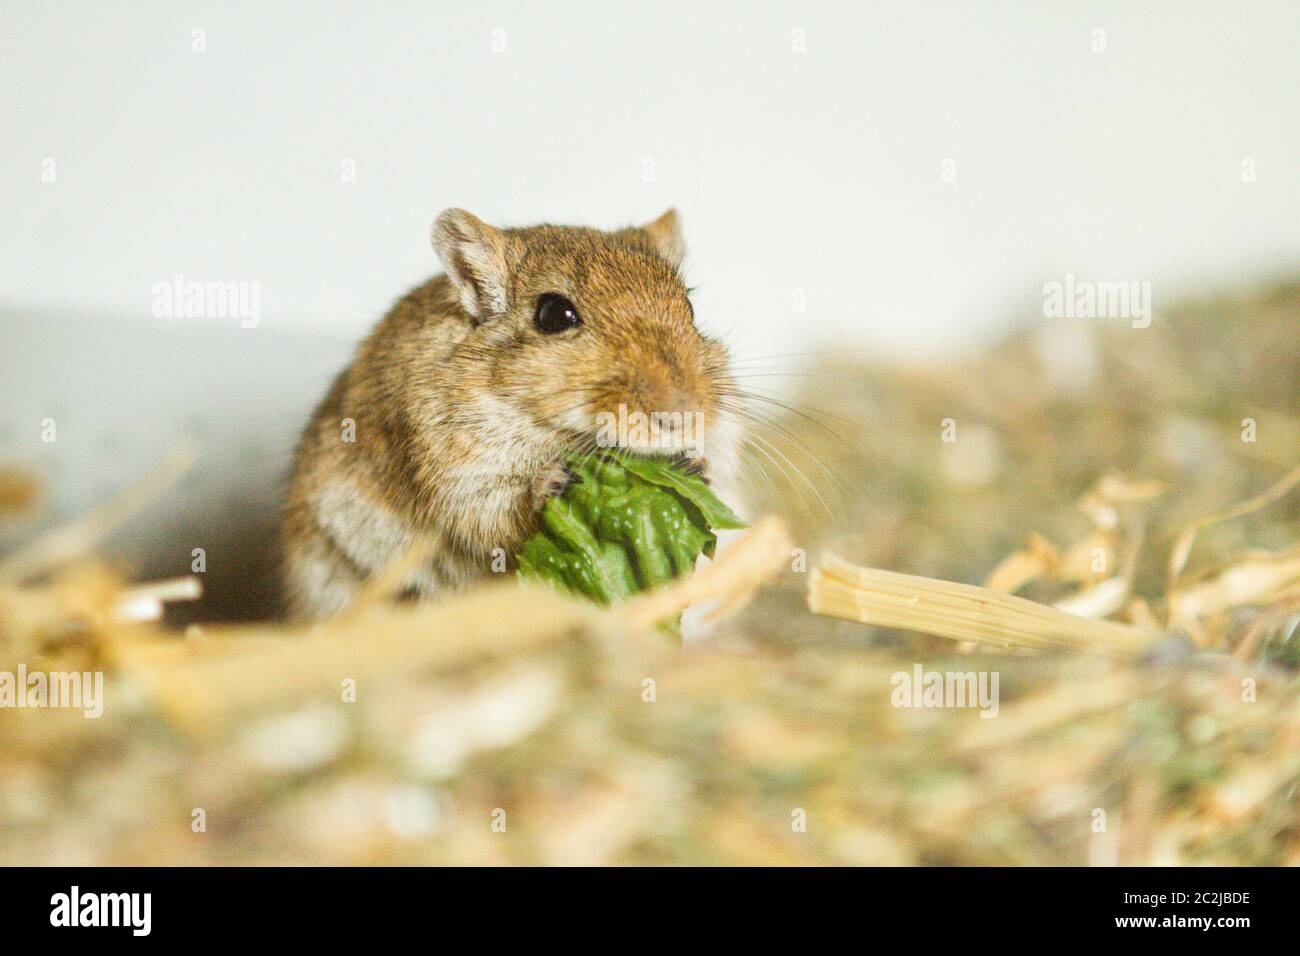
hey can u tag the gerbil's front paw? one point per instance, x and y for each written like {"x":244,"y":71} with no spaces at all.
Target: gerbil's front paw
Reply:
{"x":551,"y":482}
{"x":698,"y":465}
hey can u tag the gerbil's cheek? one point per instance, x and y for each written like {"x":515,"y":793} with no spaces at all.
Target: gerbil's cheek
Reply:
{"x":565,"y":407}
{"x":575,"y":418}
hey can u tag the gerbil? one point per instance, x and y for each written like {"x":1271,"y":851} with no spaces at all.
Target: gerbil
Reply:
{"x":454,"y":417}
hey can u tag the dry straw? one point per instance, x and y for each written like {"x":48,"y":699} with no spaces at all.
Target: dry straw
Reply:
{"x":603,"y":743}
{"x":961,"y":612}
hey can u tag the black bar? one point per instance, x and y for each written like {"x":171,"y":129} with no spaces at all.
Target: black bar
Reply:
{"x":332,"y":906}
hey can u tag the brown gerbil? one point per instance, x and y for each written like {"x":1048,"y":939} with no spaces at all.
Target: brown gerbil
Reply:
{"x":453,"y":420}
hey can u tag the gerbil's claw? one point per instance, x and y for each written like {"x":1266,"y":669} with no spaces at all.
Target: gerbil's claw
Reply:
{"x":697,"y":466}
{"x":552,"y":482}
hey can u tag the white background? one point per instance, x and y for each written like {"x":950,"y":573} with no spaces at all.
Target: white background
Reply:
{"x":817,"y":171}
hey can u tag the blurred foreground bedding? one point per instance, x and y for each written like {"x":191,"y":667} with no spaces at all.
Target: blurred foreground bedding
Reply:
{"x":1141,"y":477}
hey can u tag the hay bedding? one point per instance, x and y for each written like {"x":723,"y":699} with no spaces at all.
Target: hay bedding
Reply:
{"x":514,"y":725}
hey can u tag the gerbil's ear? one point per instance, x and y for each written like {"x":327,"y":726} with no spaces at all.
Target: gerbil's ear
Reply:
{"x":474,"y":255}
{"x":666,"y":235}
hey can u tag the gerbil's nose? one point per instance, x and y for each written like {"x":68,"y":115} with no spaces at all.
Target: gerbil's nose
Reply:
{"x":666,"y":393}
{"x":654,"y":412}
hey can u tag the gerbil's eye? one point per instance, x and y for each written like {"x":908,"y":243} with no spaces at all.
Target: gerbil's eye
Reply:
{"x":555,"y":313}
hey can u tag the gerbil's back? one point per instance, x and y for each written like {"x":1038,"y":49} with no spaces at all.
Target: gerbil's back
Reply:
{"x":422,"y":328}
{"x":365,"y":403}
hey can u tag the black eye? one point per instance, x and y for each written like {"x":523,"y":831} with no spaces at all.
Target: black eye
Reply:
{"x":555,"y":313}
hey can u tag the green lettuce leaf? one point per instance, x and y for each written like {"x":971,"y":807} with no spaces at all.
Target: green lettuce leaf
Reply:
{"x":630,"y":524}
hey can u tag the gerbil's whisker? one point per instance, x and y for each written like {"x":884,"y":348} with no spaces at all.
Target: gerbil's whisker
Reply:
{"x":834,"y":353}
{"x":791,"y":437}
{"x":751,"y":394}
{"x":756,"y":469}
{"x":765,"y":449}
{"x":754,"y":436}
